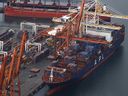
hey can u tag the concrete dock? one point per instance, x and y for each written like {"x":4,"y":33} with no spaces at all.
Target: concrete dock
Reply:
{"x":32,"y":82}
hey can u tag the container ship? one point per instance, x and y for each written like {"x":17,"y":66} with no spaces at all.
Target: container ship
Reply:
{"x":82,"y":51}
{"x":82,"y":57}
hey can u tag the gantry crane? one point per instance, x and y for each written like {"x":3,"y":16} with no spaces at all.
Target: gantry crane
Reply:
{"x":10,"y":72}
{"x":109,"y":15}
{"x":104,"y":13}
{"x":101,"y":14}
{"x":78,"y":24}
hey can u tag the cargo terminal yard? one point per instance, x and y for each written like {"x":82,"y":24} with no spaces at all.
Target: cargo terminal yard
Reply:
{"x":26,"y":68}
{"x":37,"y":56}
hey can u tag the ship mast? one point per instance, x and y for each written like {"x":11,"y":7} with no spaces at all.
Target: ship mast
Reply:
{"x":54,"y":2}
{"x":69,"y":3}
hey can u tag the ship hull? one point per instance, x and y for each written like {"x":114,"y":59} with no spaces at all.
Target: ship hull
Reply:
{"x":87,"y":70}
{"x":20,"y":12}
{"x":24,"y":12}
{"x":64,"y":84}
{"x":72,"y":81}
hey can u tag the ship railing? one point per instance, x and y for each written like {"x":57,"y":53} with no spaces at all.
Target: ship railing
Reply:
{"x":56,"y":79}
{"x":56,"y":69}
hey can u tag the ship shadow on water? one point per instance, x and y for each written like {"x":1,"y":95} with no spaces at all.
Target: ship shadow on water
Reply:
{"x":89,"y":85}
{"x":17,"y":20}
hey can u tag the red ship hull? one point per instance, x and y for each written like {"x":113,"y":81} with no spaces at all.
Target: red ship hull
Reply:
{"x":38,"y":13}
{"x":20,"y":12}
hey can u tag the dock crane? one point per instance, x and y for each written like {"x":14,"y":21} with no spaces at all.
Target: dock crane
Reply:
{"x":97,"y":13}
{"x":74,"y":27}
{"x":10,"y":72}
{"x":78,"y":24}
{"x":103,"y":13}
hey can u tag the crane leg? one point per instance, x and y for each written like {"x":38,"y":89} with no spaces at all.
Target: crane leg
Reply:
{"x":19,"y":91}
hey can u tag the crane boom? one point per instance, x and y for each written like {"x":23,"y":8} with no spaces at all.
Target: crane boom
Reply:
{"x":80,"y":15}
{"x":2,"y":72}
{"x":11,"y":69}
{"x":22,"y":48}
{"x":105,"y":26}
{"x":108,"y":15}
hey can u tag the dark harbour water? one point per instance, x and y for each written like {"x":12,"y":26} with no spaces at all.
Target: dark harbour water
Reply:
{"x":110,"y":79}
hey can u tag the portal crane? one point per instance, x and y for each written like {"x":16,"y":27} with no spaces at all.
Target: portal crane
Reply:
{"x":98,"y":13}
{"x":73,"y":27}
